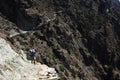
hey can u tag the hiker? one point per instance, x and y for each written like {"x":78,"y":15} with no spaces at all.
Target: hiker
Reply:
{"x":32,"y":55}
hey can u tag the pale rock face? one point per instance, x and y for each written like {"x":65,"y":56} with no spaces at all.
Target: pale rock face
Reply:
{"x":15,"y":66}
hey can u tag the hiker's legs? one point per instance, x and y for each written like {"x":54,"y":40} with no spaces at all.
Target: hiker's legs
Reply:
{"x":34,"y":60}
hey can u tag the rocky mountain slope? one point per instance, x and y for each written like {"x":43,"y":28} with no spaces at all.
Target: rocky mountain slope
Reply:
{"x":14,"y":66}
{"x":79,"y":38}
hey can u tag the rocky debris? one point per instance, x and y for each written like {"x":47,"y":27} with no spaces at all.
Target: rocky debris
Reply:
{"x":14,"y":66}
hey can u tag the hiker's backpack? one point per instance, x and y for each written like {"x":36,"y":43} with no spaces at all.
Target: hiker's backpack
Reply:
{"x":32,"y":53}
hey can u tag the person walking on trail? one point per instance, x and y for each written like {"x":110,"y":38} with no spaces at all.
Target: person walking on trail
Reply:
{"x":32,"y":54}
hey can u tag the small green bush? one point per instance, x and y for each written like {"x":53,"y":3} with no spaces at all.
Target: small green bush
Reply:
{"x":51,"y":55}
{"x":56,"y":21}
{"x":66,"y":73}
{"x":32,"y":42}
{"x":62,"y":68}
{"x":22,"y":35}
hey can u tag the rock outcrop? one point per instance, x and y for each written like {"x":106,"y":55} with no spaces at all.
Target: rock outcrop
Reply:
{"x":15,"y":66}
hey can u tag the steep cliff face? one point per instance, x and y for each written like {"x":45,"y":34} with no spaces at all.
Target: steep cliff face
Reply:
{"x":79,"y":38}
